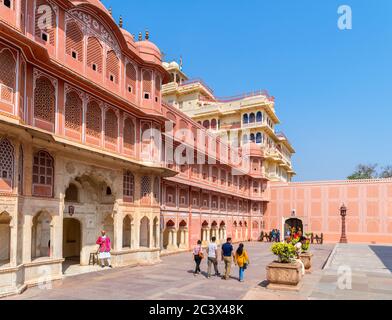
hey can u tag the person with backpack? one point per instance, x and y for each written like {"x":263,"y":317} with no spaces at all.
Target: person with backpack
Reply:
{"x":242,"y":260}
{"x":198,"y":256}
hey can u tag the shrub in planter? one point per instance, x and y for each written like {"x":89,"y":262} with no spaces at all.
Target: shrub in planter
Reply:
{"x":286,"y":273}
{"x":306,"y":246}
{"x":306,"y":256}
{"x":284,"y":251}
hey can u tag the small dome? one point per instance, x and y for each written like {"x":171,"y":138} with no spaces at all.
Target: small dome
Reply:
{"x":165,"y":65}
{"x":128,"y":37}
{"x":149,"y":51}
{"x":148,"y":45}
{"x":96,"y":3}
{"x":174,"y":64}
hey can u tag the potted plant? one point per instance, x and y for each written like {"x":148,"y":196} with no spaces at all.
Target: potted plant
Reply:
{"x":285,"y":273}
{"x":306,"y":256}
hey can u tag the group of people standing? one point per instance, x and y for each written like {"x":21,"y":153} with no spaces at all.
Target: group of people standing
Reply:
{"x":272,"y":236}
{"x":228,"y":256}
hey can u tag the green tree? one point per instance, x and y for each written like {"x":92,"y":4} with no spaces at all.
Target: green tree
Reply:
{"x":386,"y":172}
{"x":364,"y":171}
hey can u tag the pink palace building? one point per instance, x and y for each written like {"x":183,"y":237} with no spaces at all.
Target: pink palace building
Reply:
{"x":94,"y":131}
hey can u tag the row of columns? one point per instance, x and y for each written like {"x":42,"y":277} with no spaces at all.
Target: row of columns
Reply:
{"x":218,"y":233}
{"x":173,"y":238}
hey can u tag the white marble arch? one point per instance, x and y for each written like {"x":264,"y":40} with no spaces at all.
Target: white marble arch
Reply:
{"x":5,"y":238}
{"x":144,"y":241}
{"x":42,"y":235}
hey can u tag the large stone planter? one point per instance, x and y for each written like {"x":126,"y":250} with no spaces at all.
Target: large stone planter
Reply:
{"x":306,"y":259}
{"x":284,"y":276}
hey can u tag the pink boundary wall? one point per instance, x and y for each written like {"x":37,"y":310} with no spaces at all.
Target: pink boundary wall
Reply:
{"x":317,"y":204}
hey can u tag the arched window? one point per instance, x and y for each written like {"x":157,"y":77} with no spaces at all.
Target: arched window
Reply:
{"x":23,"y":16}
{"x":145,"y":189}
{"x":43,"y":172}
{"x":183,"y":197}
{"x":252,"y":137}
{"x":45,"y":29}
{"x":41,"y":236}
{"x":252,"y":118}
{"x":128,"y":186}
{"x":170,"y":195}
{"x":73,"y":111}
{"x":112,"y":67}
{"x":94,"y":120}
{"x":72,"y":193}
{"x":111,"y":127}
{"x":127,"y":232}
{"x":144,"y":233}
{"x":157,"y":88}
{"x":5,"y":237}
{"x":157,"y":188}
{"x":74,"y":41}
{"x":129,"y":134}
{"x":259,"y":117}
{"x":20,"y":170}
{"x":94,"y":54}
{"x":6,"y":165}
{"x":7,"y":76}
{"x":44,"y":100}
{"x":245,"y":119}
{"x":131,"y":77}
{"x":108,"y":226}
{"x":206,"y":124}
{"x":259,"y":138}
{"x":22,"y":89}
{"x":214,"y":124}
{"x":147,"y":86}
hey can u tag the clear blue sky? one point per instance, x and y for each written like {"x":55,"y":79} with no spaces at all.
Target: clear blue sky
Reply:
{"x":333,"y":88}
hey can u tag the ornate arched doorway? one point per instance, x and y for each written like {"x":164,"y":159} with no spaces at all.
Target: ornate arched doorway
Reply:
{"x":72,"y":240}
{"x":293,"y":224}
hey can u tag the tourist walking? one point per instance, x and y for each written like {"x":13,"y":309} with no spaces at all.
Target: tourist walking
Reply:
{"x":278,"y":236}
{"x":228,"y":257}
{"x":242,"y":260}
{"x":198,"y":257}
{"x":212,"y":252}
{"x":104,"y":249}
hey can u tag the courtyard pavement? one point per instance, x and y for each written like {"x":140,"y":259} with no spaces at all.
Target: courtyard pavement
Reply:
{"x":173,"y":279}
{"x":353,"y":272}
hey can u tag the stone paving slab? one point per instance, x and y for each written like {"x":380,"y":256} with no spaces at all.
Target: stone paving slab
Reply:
{"x":370,"y":270}
{"x":171,"y":280}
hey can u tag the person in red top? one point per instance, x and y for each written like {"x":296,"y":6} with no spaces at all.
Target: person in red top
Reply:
{"x":104,"y":249}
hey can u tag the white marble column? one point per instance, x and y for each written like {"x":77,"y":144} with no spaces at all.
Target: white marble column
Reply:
{"x":27,"y":233}
{"x":118,"y":232}
{"x":133,"y":240}
{"x":172,"y":243}
{"x":151,"y":234}
{"x":157,"y":235}
{"x":183,"y":240}
{"x":136,"y":235}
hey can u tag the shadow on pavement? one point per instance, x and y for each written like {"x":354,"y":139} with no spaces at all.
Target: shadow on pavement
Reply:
{"x":384,"y":253}
{"x":264,"y":284}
